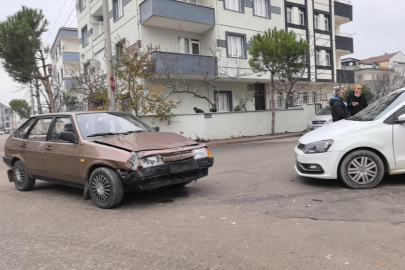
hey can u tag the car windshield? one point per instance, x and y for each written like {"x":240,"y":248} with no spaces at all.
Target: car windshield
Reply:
{"x":105,"y":124}
{"x":380,"y":108}
{"x":325,"y":111}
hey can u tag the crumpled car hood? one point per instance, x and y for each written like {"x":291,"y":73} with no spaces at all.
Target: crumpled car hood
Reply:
{"x":146,"y":141}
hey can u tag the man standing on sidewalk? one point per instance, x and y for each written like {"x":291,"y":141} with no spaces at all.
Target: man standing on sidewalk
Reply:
{"x":356,"y":101}
{"x":338,"y":107}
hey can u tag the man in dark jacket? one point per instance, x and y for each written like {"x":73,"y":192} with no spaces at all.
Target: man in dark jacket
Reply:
{"x":338,"y":107}
{"x":356,"y":101}
{"x":198,"y":110}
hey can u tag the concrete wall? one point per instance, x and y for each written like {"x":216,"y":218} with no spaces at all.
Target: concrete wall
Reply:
{"x":238,"y":124}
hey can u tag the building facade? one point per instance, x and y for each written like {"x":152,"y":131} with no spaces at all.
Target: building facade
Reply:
{"x":65,"y":58}
{"x":211,"y":37}
{"x":8,"y":119}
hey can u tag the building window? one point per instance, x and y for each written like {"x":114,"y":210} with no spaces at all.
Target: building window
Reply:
{"x":236,"y":46}
{"x":359,"y":78}
{"x":194,"y":2}
{"x":85,"y":38}
{"x":82,"y":4}
{"x":301,"y":16}
{"x":189,"y":46}
{"x":224,"y":102}
{"x":58,"y":78}
{"x":289,"y":15}
{"x":61,"y":73}
{"x":326,"y":19}
{"x":233,"y":5}
{"x":318,"y":57}
{"x":118,"y":9}
{"x":261,"y":8}
{"x":327,"y":58}
{"x":56,"y":55}
{"x":119,"y":49}
{"x":316,"y":21}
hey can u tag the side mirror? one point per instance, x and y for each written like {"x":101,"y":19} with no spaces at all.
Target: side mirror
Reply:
{"x":68,"y":136}
{"x":157,"y":129}
{"x":401,"y":119}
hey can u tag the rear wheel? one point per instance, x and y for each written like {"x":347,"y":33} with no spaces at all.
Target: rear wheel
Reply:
{"x":106,"y":188}
{"x":362,"y":169}
{"x":22,"y":180}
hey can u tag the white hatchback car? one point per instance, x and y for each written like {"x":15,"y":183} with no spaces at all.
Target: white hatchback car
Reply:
{"x":359,"y":150}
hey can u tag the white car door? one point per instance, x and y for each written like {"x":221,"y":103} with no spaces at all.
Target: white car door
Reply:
{"x":399,"y":139}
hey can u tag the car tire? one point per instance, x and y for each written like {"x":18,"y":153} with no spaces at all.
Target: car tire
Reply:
{"x":362,"y":169}
{"x":22,"y":179}
{"x":106,"y":188}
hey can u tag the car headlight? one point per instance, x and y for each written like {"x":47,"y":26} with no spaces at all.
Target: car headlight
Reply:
{"x":318,"y":147}
{"x":330,"y":121}
{"x":133,"y":161}
{"x":310,"y":122}
{"x":202,"y":153}
{"x":152,"y":161}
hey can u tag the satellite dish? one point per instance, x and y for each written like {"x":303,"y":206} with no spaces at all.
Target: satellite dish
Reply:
{"x":351,"y":64}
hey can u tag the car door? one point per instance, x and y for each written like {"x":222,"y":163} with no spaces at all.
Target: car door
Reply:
{"x":399,"y":141}
{"x":61,"y":157}
{"x":32,"y":146}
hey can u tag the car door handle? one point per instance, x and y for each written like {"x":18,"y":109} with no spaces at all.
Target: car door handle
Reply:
{"x":48,"y":148}
{"x":23,"y":145}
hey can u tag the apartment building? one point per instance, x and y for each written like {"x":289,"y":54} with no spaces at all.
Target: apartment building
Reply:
{"x":7,"y":119}
{"x":373,"y":70}
{"x":211,"y":37}
{"x":65,"y":58}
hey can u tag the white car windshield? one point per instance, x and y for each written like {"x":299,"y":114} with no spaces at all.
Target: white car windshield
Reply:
{"x":325,"y":111}
{"x":105,"y":124}
{"x":380,"y":108}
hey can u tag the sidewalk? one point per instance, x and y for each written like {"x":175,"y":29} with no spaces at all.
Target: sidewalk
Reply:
{"x":255,"y":139}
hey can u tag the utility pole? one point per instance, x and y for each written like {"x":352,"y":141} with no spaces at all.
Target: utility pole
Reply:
{"x":108,"y":55}
{"x":32,"y":100}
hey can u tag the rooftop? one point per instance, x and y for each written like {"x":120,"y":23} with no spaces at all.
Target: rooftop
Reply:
{"x":378,"y":59}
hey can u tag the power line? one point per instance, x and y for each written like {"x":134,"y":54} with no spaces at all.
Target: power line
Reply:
{"x":73,"y":20}
{"x":70,"y":15}
{"x":60,"y":12}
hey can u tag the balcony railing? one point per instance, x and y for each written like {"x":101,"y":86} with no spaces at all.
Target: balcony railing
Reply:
{"x":177,"y":15}
{"x":179,"y":64}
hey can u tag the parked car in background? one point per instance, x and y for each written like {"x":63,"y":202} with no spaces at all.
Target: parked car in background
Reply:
{"x":104,"y":153}
{"x":1,"y":132}
{"x":359,"y":150}
{"x":323,"y":117}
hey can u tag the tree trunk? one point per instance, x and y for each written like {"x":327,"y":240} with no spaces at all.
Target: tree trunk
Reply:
{"x":273,"y":106}
{"x":38,"y":96}
{"x":47,"y":84}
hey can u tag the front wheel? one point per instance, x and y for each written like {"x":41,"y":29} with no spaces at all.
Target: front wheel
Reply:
{"x":22,"y":179}
{"x":362,"y":169}
{"x":106,"y":188}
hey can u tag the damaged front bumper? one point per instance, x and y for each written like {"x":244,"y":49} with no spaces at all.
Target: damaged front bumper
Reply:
{"x":168,"y":174}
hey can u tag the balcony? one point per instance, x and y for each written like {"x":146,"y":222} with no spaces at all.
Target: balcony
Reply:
{"x":343,"y":11}
{"x":71,"y":57}
{"x":345,"y":76}
{"x":184,"y":64}
{"x":177,"y":15}
{"x":344,"y":43}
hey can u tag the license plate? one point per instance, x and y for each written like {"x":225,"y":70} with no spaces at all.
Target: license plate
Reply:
{"x":182,"y":167}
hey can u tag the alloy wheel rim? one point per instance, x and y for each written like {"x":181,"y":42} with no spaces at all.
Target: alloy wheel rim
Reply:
{"x":19,"y":176}
{"x":100,"y":188}
{"x":362,"y":170}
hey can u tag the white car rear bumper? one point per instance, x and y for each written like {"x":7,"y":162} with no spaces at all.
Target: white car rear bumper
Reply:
{"x":329,"y":162}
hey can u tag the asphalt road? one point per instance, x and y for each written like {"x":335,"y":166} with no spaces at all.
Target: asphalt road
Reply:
{"x":252,"y":212}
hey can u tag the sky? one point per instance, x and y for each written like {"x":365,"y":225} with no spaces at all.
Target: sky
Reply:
{"x":377,"y":28}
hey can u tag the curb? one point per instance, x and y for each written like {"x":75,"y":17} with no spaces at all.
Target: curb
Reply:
{"x":254,"y":139}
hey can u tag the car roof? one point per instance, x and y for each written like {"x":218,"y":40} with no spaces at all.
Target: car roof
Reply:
{"x":72,"y":113}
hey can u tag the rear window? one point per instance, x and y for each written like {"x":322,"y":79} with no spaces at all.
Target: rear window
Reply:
{"x":23,"y":129}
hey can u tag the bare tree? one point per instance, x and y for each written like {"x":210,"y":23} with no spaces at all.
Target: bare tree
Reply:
{"x":387,"y":83}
